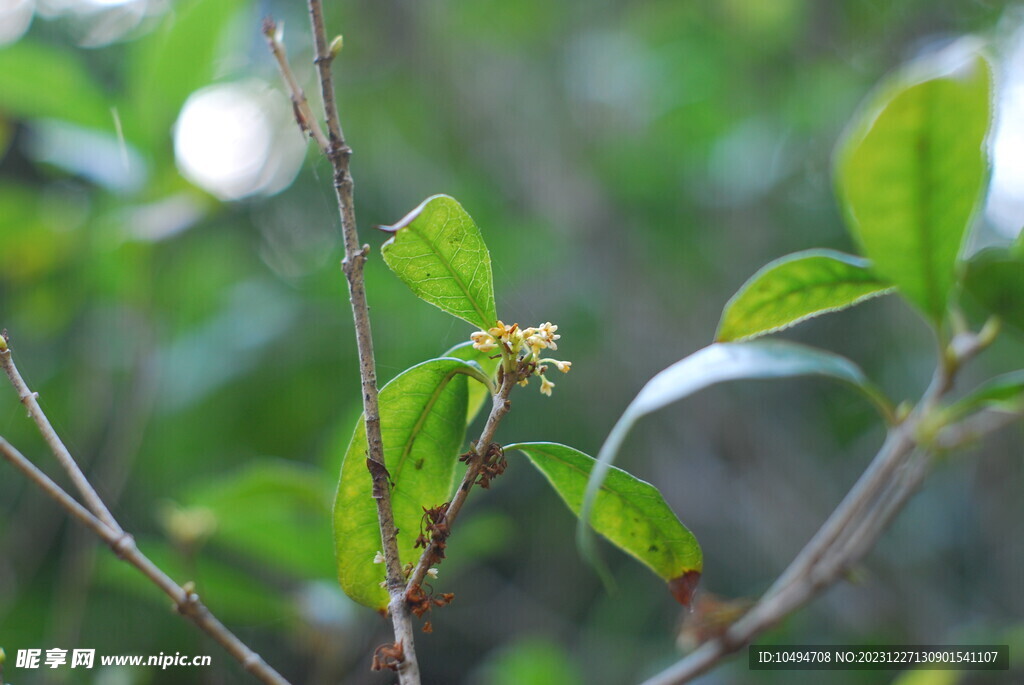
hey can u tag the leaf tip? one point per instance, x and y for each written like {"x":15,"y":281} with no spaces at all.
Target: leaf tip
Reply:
{"x":683,"y":587}
{"x":405,"y":220}
{"x":411,"y":216}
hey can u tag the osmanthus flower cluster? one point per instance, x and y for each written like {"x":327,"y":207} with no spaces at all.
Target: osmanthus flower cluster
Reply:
{"x":523,"y":348}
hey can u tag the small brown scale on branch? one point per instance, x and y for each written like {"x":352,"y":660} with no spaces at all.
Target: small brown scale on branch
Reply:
{"x":388,"y":656}
{"x":420,"y":602}
{"x":433,"y":529}
{"x":492,"y":463}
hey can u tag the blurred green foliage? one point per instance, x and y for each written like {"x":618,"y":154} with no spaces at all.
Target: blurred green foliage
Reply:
{"x":629,"y":164}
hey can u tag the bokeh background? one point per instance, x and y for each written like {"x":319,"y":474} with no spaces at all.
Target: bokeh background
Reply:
{"x":169,"y":277}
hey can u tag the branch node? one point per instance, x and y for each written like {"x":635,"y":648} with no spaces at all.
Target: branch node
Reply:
{"x":270,"y":27}
{"x":253,"y":663}
{"x":188,"y":604}
{"x":124,"y":546}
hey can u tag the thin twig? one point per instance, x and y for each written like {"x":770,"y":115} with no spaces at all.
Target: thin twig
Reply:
{"x":186,"y":601}
{"x":339,"y":154}
{"x":499,"y":408}
{"x":300,"y":105}
{"x":852,"y":529}
{"x":31,"y":401}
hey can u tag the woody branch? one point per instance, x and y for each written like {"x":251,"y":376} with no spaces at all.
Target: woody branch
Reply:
{"x":339,"y":153}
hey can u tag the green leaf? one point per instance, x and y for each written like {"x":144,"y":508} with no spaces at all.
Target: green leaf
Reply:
{"x":271,"y":510}
{"x":171,"y":63}
{"x":911,"y":171}
{"x":39,"y":81}
{"x":717,"y":363}
{"x":534,"y":660}
{"x":479,"y":393}
{"x":423,"y":423}
{"x":995,"y":279}
{"x":241,"y":595}
{"x":627,"y":511}
{"x":1002,"y":392}
{"x":795,"y":288}
{"x":439,"y":253}
{"x":1017,"y":248}
{"x":921,"y":676}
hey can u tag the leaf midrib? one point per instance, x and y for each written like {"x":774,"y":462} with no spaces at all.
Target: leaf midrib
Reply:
{"x":422,"y":419}
{"x":819,"y":285}
{"x":444,"y":262}
{"x":686,"y":565}
{"x":922,"y":158}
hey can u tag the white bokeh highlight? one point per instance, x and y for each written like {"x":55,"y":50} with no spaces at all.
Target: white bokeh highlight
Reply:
{"x":15,"y":17}
{"x":238,"y":139}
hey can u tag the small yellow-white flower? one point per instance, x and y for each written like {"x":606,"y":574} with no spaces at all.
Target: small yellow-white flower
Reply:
{"x":500,"y":330}
{"x":432,"y":572}
{"x":483,"y":342}
{"x":536,"y":343}
{"x":545,"y":386}
{"x":561,"y":366}
{"x":378,"y":558}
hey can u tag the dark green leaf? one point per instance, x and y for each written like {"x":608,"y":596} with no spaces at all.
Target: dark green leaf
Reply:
{"x":39,"y":81}
{"x":627,"y":511}
{"x":795,"y":288}
{"x":717,"y":363}
{"x":423,"y":423}
{"x":439,"y":253}
{"x":995,"y":279}
{"x":911,"y":172}
{"x":479,"y":393}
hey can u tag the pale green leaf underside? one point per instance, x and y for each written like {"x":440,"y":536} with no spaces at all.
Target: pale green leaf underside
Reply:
{"x":439,"y":253}
{"x":629,"y":512}
{"x":722,"y":362}
{"x":911,"y":172}
{"x":423,"y":423}
{"x":717,"y":363}
{"x":1002,"y":392}
{"x":795,"y":288}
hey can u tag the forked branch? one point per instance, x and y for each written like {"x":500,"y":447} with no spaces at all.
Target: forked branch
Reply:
{"x":99,"y":520}
{"x":854,"y":527}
